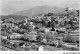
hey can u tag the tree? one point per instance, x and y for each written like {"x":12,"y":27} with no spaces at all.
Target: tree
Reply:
{"x":39,"y":38}
{"x":67,"y":8}
{"x":4,"y":33}
{"x":9,"y":20}
{"x":9,"y":30}
{"x":49,"y":14}
{"x":77,"y":12}
{"x":53,"y":25}
{"x":24,"y":26}
{"x":49,"y":36}
{"x":68,"y":38}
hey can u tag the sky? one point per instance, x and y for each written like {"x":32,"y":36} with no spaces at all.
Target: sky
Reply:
{"x":12,"y":6}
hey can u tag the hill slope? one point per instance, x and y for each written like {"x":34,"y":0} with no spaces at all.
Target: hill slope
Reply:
{"x":40,"y":10}
{"x":16,"y":17}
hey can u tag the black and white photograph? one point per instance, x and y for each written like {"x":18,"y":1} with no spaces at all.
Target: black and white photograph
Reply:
{"x":39,"y":25}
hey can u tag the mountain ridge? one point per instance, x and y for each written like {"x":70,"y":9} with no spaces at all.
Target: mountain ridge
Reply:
{"x":40,"y":10}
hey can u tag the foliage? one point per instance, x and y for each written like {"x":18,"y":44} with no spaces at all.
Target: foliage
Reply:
{"x":9,"y":20}
{"x":49,"y":36}
{"x":4,"y":33}
{"x":39,"y":38}
{"x":68,"y":38}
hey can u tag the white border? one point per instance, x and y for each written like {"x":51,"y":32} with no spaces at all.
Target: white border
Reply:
{"x":38,"y":52}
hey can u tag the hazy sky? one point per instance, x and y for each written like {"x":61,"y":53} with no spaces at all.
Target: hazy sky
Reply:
{"x":12,"y":6}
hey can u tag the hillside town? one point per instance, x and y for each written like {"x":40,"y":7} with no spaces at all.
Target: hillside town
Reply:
{"x":46,"y":32}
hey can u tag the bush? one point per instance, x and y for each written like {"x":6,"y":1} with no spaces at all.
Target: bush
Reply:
{"x":68,"y":38}
{"x":39,"y":38}
{"x":4,"y":33}
{"x":49,"y":36}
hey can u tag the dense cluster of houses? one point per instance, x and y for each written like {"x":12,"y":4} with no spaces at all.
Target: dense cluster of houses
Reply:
{"x":44,"y":30}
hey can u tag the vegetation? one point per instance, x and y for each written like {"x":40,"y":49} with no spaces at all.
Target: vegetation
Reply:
{"x":48,"y":28}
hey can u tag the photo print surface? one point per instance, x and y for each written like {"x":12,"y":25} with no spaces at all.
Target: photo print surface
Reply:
{"x":39,"y":25}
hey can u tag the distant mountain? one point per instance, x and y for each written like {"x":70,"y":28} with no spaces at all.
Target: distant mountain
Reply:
{"x":40,"y":10}
{"x":36,"y":11}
